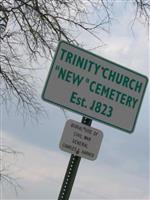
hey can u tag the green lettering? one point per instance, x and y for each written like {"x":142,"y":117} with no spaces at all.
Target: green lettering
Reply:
{"x":112,"y":93}
{"x":77,"y":79}
{"x":119,"y":78}
{"x":105,"y":91}
{"x":110,"y":111}
{"x":138,"y":87}
{"x":105,"y":70}
{"x":79,"y":62}
{"x":74,"y":59}
{"x":62,"y":73}
{"x":69,"y":57}
{"x":125,"y":81}
{"x":93,"y":83}
{"x":98,"y":88}
{"x":96,"y":68}
{"x":118,"y":95}
{"x":134,"y":102}
{"x":73,"y":97}
{"x":63,"y":51}
{"x":129,"y":100}
{"x":112,"y":75}
{"x":78,"y":102}
{"x":131,"y":84}
{"x":68,"y":76}
{"x":90,"y":66}
{"x":85,"y":64}
{"x":123,"y":99}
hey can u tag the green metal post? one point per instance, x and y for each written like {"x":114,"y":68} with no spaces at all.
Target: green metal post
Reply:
{"x":71,"y":171}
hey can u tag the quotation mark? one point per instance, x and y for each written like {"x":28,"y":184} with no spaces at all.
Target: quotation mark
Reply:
{"x":57,"y":67}
{"x":87,"y":80}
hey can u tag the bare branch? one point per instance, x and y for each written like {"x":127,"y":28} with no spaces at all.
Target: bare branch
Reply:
{"x":142,"y":10}
{"x":5,"y":175}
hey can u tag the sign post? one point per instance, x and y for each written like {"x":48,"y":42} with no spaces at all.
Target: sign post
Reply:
{"x":98,"y":89}
{"x":71,"y":170}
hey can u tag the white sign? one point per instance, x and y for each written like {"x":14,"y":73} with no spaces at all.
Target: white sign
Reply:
{"x":81,"y":140}
{"x":95,"y":87}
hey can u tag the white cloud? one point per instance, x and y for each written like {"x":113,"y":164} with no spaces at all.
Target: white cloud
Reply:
{"x":127,"y":43}
{"x":121,"y":169}
{"x":129,"y":51}
{"x":40,"y":172}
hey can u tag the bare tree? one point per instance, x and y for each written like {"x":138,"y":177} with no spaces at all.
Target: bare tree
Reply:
{"x":5,"y":175}
{"x":142,"y":9}
{"x":30,"y":29}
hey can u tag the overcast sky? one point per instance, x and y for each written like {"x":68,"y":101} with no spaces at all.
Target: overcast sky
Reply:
{"x":121,"y":170}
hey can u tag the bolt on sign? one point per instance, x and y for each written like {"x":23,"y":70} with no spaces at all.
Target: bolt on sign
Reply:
{"x":81,"y":140}
{"x":95,"y":87}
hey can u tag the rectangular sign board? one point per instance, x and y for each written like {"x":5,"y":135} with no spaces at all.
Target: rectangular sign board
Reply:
{"x":81,"y":140}
{"x":95,"y":87}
